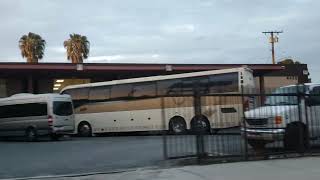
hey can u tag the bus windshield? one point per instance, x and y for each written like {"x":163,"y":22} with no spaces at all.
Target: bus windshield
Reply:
{"x":62,"y":108}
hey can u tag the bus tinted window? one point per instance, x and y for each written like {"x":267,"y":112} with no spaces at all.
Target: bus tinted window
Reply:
{"x":144,"y":89}
{"x":23,"y":110}
{"x":191,"y":85}
{"x":99,"y":93}
{"x":77,"y":94}
{"x":219,"y":83}
{"x":172,"y":86}
{"x":120,"y":91}
{"x":62,"y":108}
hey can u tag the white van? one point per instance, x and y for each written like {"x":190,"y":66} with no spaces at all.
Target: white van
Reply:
{"x":291,"y":119}
{"x":33,"y":115}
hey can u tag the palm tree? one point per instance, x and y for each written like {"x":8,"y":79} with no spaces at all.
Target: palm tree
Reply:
{"x":77,"y":48}
{"x":32,"y":47}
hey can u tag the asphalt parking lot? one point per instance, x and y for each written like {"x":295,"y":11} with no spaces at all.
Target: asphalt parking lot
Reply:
{"x":99,"y":154}
{"x":77,"y":155}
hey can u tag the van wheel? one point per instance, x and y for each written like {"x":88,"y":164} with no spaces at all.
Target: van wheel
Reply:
{"x":256,"y":144}
{"x":84,"y":129}
{"x":31,"y":135}
{"x":177,"y":125}
{"x":296,"y":137}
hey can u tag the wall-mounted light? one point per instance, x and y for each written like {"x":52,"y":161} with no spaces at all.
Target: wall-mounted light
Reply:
{"x":55,"y":89}
{"x":57,"y":85}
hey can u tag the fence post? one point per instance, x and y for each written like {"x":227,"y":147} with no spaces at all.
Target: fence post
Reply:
{"x":299,"y":94}
{"x":244,"y":125}
{"x":197,"y":112}
{"x":164,"y":135}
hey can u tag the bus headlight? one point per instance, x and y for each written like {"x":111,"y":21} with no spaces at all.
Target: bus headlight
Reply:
{"x":278,"y":120}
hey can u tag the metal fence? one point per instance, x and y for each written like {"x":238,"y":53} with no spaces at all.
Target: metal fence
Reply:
{"x":243,"y":125}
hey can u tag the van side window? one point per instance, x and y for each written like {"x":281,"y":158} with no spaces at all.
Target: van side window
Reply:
{"x":23,"y":110}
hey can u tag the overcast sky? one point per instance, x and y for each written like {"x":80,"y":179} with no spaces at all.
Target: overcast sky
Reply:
{"x":167,"y":31}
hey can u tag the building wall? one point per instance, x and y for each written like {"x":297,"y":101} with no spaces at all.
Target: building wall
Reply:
{"x":271,"y":82}
{"x":15,"y":86}
{"x":44,"y":86}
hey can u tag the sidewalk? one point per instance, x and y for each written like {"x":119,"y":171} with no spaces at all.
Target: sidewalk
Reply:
{"x":307,"y":168}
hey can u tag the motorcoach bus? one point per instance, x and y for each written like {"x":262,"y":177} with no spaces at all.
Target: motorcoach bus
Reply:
{"x":160,"y":102}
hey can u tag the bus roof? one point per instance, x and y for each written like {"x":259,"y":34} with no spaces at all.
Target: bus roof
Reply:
{"x":157,"y":78}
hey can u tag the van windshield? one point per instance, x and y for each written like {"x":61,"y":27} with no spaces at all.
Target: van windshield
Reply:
{"x":283,"y":100}
{"x":62,"y":108}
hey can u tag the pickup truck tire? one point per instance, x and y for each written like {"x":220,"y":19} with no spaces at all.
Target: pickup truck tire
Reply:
{"x":296,"y":137}
{"x":257,"y":144}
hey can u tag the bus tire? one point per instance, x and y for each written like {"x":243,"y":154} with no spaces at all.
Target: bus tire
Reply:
{"x":296,"y":137}
{"x":177,"y":125}
{"x":84,"y":129}
{"x":200,"y":124}
{"x":31,"y":134}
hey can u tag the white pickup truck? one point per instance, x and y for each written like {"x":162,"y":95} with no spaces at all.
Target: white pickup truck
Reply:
{"x":292,"y":116}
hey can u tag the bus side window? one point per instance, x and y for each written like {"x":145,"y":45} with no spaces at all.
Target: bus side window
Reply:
{"x":99,"y":93}
{"x":228,"y":82}
{"x":77,"y":94}
{"x":121,"y":91}
{"x":190,"y":85}
{"x":144,"y":89}
{"x":167,"y":87}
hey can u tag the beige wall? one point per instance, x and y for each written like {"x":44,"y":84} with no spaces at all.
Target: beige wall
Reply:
{"x":271,"y":82}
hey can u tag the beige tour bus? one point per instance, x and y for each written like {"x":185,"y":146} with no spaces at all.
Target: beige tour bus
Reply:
{"x":150,"y":104}
{"x":32,"y":115}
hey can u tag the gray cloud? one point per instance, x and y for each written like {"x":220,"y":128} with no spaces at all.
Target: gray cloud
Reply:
{"x":181,"y":31}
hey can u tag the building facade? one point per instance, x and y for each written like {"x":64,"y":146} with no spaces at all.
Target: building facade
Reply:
{"x":52,"y":77}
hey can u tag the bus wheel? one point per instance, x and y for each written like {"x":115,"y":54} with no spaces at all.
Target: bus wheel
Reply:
{"x":296,"y":137}
{"x":177,"y":125}
{"x":31,"y":134}
{"x":200,"y":124}
{"x":84,"y":129}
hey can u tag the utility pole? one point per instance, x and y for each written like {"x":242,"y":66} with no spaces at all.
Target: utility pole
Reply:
{"x":273,"y":39}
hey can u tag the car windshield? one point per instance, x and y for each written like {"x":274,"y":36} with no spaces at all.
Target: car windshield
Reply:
{"x":62,"y":108}
{"x":283,"y":100}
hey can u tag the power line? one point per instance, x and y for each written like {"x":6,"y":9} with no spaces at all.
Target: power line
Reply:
{"x":273,"y":39}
